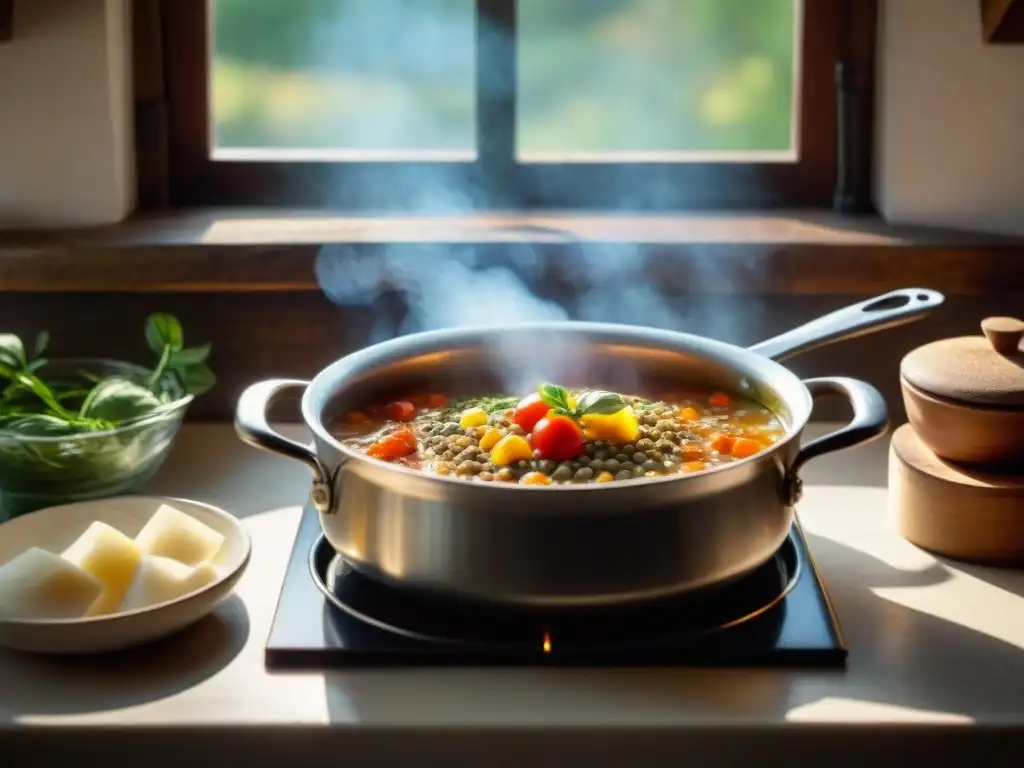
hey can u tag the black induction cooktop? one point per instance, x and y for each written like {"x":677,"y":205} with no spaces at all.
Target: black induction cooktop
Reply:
{"x":329,"y":615}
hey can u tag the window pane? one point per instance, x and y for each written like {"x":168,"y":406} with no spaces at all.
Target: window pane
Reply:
{"x":376,"y":79}
{"x":699,"y":79}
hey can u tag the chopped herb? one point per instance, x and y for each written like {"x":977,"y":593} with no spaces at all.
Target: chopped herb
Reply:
{"x":491,"y":403}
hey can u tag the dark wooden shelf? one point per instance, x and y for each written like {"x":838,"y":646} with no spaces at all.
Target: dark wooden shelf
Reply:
{"x":1003,"y":20}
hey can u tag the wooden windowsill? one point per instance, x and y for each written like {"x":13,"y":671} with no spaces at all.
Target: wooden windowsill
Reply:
{"x":251,"y":250}
{"x":242,"y":227}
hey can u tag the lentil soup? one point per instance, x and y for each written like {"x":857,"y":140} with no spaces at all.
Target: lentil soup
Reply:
{"x":558,"y":436}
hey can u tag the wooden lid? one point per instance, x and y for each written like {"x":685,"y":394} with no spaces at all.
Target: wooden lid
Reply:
{"x":973,"y":370}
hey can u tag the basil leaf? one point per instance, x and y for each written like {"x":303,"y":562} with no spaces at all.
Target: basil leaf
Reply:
{"x":598,"y":402}
{"x":189,"y":356}
{"x":12,"y":351}
{"x":197,"y":379}
{"x":118,"y":400}
{"x":42,"y":342}
{"x":555,"y":396}
{"x":163,"y":330}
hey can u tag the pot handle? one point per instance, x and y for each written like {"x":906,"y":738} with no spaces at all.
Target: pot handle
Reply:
{"x":886,"y":311}
{"x":870,"y":421}
{"x":252,"y":427}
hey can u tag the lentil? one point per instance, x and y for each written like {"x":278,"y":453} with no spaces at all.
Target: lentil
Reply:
{"x":562,"y":474}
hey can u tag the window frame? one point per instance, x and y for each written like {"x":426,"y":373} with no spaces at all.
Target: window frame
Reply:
{"x":834,"y":31}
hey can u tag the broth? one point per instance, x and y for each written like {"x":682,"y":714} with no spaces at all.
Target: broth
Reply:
{"x":557,"y":436}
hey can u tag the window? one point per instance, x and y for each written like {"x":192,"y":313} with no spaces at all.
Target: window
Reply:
{"x":456,"y":104}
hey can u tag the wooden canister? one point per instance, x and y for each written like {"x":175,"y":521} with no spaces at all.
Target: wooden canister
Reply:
{"x":953,"y":509}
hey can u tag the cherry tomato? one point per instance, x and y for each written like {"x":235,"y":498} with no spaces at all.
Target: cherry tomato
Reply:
{"x":529,"y":411}
{"x":393,"y":446}
{"x":558,"y":438}
{"x":400,"y":410}
{"x":436,"y":400}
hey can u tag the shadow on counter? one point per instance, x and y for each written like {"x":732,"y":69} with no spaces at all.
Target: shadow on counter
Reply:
{"x":41,"y":685}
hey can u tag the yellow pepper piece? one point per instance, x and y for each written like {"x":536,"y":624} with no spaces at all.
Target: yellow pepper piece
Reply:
{"x":490,"y":439}
{"x":535,"y":478}
{"x":474,"y":417}
{"x":509,"y":450}
{"x":618,"y":428}
{"x":605,"y":477}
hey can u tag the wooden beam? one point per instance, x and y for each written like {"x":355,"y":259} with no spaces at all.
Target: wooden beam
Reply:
{"x":6,"y":20}
{"x":1003,"y":20}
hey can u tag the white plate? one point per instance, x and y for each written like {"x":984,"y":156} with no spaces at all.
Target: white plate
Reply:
{"x":55,"y":528}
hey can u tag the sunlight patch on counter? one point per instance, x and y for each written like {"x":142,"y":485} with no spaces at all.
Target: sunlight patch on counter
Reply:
{"x":838,"y":709}
{"x":968,"y":602}
{"x":845,"y":515}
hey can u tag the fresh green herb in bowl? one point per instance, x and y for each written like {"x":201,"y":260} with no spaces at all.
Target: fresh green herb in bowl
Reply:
{"x":75,"y":429}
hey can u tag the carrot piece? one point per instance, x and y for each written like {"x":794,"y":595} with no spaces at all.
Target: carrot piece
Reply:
{"x":400,"y":410}
{"x":695,"y":466}
{"x":719,"y":399}
{"x":393,"y":446}
{"x":722,"y":443}
{"x":744,"y":447}
{"x":535,"y":478}
{"x":690,"y":414}
{"x":692,"y":452}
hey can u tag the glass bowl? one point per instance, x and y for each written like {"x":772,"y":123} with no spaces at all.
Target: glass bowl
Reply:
{"x":37,"y":472}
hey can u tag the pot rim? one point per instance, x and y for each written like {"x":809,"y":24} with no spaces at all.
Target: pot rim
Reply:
{"x":418,"y":343}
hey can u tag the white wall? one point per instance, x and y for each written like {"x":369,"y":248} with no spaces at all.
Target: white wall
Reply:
{"x":950,"y":119}
{"x":65,"y":114}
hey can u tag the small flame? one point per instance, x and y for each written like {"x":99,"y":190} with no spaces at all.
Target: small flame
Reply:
{"x":546,"y":645}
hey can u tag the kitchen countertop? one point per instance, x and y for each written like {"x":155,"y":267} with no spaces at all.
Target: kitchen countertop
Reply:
{"x":936,"y":664}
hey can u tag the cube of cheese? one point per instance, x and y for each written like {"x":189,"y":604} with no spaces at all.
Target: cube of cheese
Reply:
{"x":38,"y":584}
{"x":161,"y":579}
{"x":172,"y":533}
{"x":111,"y":557}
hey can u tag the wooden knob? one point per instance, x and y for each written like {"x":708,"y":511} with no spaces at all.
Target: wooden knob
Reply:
{"x":1003,"y":333}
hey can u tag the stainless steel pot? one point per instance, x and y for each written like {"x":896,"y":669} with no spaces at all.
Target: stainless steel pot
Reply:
{"x":571,"y":545}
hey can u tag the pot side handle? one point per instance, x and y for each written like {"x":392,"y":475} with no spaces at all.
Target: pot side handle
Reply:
{"x":870,"y":421}
{"x":252,"y":427}
{"x":886,"y":311}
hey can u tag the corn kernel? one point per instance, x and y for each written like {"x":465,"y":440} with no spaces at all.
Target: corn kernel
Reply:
{"x":474,"y":417}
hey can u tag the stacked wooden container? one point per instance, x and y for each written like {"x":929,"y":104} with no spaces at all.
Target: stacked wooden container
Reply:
{"x":956,"y":471}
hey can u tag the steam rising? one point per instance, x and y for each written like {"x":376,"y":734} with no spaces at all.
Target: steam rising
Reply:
{"x":444,"y":287}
